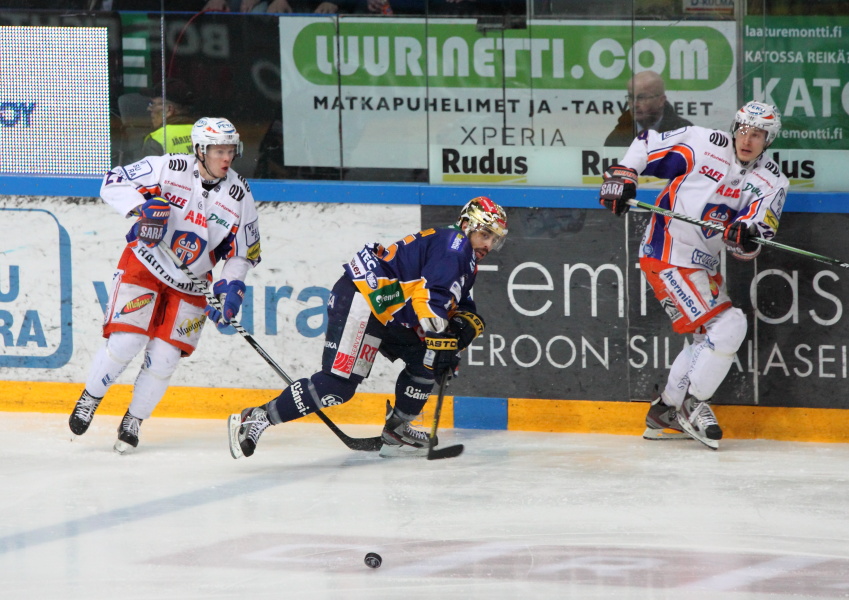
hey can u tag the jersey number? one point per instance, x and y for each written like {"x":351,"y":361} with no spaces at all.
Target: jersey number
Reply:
{"x":389,"y":253}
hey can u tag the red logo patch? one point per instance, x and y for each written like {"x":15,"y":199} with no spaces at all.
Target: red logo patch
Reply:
{"x":343,"y":362}
{"x":137,"y":304}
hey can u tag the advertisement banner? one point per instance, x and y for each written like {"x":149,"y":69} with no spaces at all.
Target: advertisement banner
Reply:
{"x":570,"y":316}
{"x":801,"y":65}
{"x":807,"y":170}
{"x":378,"y":93}
{"x":54,"y":100}
{"x":54,"y":286}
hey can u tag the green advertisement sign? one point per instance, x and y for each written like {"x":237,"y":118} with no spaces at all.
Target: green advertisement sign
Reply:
{"x":556,"y":56}
{"x":376,"y":93}
{"x":801,"y":65}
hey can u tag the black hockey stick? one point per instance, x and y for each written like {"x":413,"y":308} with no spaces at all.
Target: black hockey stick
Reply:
{"x":450,"y":451}
{"x":365,"y":444}
{"x":717,"y":227}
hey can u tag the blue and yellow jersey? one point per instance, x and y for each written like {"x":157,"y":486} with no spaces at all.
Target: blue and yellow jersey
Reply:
{"x":427,"y":274}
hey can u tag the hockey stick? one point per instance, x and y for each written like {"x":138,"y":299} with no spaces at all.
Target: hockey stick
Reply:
{"x":365,"y":444}
{"x":717,"y":227}
{"x":450,"y":451}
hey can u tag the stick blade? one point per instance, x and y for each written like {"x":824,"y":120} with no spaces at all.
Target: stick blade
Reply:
{"x":372,"y":444}
{"x":449,"y":452}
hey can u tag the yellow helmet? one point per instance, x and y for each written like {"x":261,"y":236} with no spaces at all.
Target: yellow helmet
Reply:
{"x":483,"y":213}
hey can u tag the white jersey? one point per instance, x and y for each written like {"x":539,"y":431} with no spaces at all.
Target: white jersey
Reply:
{"x":707,"y":183}
{"x":204,"y":227}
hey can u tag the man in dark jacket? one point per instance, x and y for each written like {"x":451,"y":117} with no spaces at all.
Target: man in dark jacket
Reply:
{"x":647,"y":109}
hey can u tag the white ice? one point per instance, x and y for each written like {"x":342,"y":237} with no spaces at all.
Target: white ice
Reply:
{"x":518,"y":515}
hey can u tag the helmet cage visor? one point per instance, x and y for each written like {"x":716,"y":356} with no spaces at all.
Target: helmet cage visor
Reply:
{"x":497,"y":238}
{"x":203,"y":147}
{"x":483,"y":214}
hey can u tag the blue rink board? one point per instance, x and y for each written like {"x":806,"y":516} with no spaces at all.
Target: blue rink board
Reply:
{"x":394,"y":193}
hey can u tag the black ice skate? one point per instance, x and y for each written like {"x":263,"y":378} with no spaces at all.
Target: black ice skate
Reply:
{"x":128,"y":433}
{"x":83,"y":413}
{"x":697,"y":419}
{"x":245,"y":429}
{"x":402,"y":439}
{"x":662,"y":423}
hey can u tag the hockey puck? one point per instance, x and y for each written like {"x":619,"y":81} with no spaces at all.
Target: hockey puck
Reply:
{"x":373,"y":560}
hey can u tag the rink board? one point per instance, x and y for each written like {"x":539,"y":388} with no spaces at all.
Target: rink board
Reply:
{"x":574,"y":341}
{"x":517,"y":414}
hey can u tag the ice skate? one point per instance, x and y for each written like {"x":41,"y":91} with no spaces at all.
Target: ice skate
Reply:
{"x":128,"y":433}
{"x":83,"y":413}
{"x":662,"y":423}
{"x":402,"y":439}
{"x":245,"y":429}
{"x":697,"y":419}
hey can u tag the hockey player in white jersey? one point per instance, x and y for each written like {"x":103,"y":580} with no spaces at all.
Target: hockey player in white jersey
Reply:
{"x":713,"y":176}
{"x":204,"y":211}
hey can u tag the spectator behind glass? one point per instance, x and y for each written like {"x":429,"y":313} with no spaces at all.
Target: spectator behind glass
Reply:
{"x":274,"y":6}
{"x":179,"y":100}
{"x":647,"y":109}
{"x":420,"y":7}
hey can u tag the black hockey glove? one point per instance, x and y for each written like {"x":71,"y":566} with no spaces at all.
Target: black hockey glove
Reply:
{"x":620,"y":185}
{"x":153,"y":222}
{"x":441,"y":353}
{"x":466,"y":326}
{"x":741,"y":236}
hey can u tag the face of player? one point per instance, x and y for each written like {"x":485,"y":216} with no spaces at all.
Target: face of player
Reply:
{"x":482,"y":241}
{"x":646,"y":100}
{"x":217,"y":161}
{"x":749,"y":143}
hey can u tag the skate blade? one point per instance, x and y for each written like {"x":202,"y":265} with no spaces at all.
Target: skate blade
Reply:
{"x":665,"y":434}
{"x":402,"y":451}
{"x":122,"y":447}
{"x":712,"y":444}
{"x":233,"y":425}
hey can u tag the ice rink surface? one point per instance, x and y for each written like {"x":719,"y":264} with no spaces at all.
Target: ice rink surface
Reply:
{"x":518,"y":515}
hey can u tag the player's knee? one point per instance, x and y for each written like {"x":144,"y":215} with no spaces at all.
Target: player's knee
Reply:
{"x":330,"y":390}
{"x":161,"y":359}
{"x":122,"y":346}
{"x":305,"y":396}
{"x":415,"y":368}
{"x":728,"y":330}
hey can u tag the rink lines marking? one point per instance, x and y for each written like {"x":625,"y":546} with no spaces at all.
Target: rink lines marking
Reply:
{"x":153,"y":509}
{"x":739,"y":578}
{"x":450,"y":561}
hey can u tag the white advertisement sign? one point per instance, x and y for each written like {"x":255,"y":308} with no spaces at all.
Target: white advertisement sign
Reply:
{"x":807,"y":170}
{"x":58,"y":256}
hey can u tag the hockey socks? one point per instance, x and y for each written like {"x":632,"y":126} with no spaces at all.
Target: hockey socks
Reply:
{"x":305,"y":396}
{"x":411,"y":392}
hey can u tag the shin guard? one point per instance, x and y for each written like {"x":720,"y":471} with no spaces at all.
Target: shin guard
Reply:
{"x":411,"y":392}
{"x":111,"y":360}
{"x":714,"y":356}
{"x":305,"y":396}
{"x":160,"y":362}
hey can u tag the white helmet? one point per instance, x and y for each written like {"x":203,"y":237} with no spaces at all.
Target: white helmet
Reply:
{"x":210,"y":131}
{"x":759,"y":115}
{"x":483,"y":213}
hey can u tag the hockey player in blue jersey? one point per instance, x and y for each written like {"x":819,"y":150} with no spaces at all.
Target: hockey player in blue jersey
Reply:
{"x":410,"y":301}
